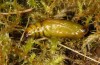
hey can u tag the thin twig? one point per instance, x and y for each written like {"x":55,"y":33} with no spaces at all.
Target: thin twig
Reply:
{"x":20,"y":12}
{"x":24,"y":31}
{"x":44,"y":38}
{"x":79,"y":53}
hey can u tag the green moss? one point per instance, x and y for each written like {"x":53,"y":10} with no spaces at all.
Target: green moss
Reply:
{"x":15,"y":16}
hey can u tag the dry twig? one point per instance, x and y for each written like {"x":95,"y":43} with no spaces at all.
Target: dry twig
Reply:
{"x":17,"y":12}
{"x":79,"y":53}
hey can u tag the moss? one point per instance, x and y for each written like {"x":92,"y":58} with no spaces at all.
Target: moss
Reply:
{"x":16,"y":15}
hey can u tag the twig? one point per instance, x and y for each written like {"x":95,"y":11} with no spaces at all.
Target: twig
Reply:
{"x":44,"y":38}
{"x":20,"y":12}
{"x":24,"y":31}
{"x":79,"y":53}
